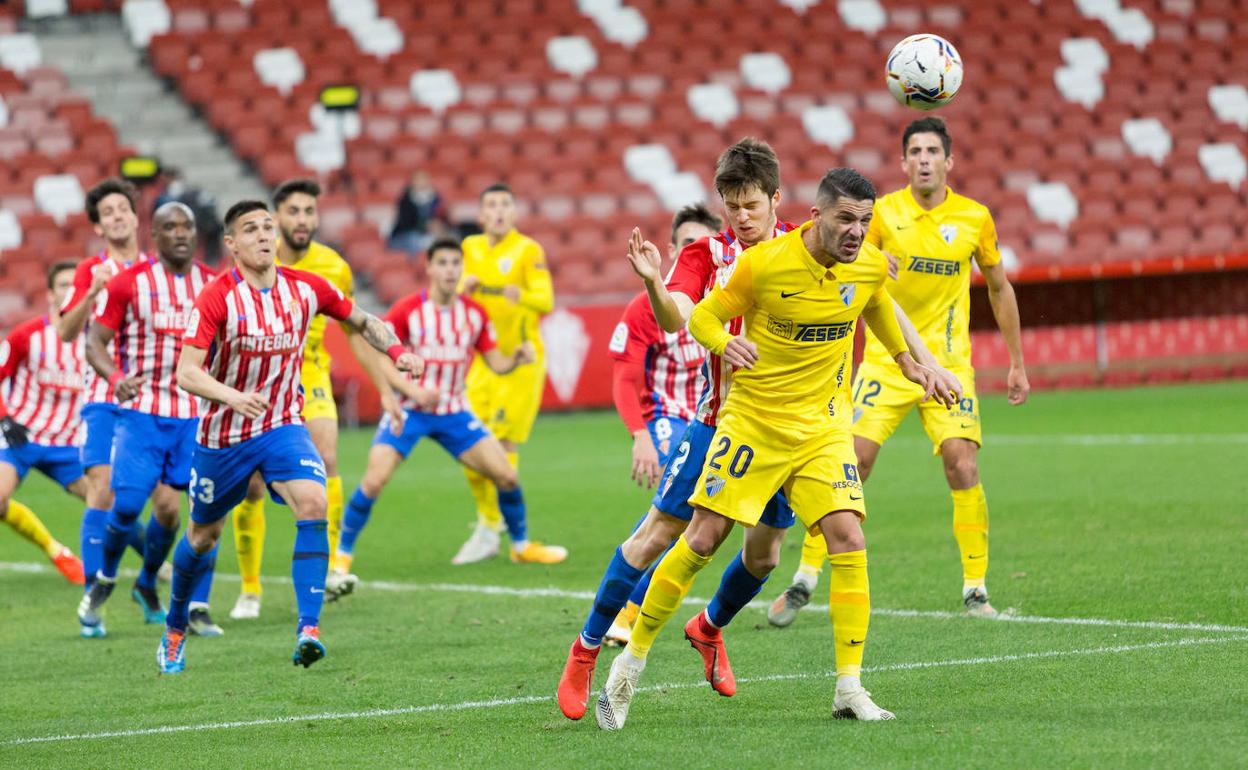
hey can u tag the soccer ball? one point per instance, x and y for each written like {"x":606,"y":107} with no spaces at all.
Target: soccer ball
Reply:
{"x":924,"y":71}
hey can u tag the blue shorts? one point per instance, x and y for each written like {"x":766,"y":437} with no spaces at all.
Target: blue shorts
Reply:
{"x":219,"y":477}
{"x":150,"y":450}
{"x":456,"y":432}
{"x":59,"y":463}
{"x":682,"y":474}
{"x":665,"y":432}
{"x":99,"y":419}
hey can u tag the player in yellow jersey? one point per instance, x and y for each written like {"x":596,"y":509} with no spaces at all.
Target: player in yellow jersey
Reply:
{"x":934,"y":233}
{"x":506,"y":272}
{"x":784,"y":425}
{"x":294,"y":204}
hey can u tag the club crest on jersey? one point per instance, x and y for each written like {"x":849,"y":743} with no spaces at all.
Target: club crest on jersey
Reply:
{"x":847,"y":293}
{"x":714,"y":484}
{"x":504,"y":265}
{"x":949,"y":233}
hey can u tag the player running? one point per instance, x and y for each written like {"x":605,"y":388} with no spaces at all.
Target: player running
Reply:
{"x":505,"y":272}
{"x":39,"y":418}
{"x":936,"y":233}
{"x":800,"y":295}
{"x":150,"y":304}
{"x":295,"y":209}
{"x":240,"y":355}
{"x":445,"y":329}
{"x":656,"y":383}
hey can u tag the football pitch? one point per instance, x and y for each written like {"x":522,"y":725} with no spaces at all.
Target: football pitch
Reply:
{"x":1119,"y":537}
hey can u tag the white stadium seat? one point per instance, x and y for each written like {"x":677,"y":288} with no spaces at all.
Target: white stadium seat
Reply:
{"x":1224,"y":162}
{"x":59,"y":195}
{"x":766,"y":72}
{"x":144,"y":19}
{"x":10,"y":230}
{"x":1230,"y":103}
{"x":1147,"y":137}
{"x":20,"y":52}
{"x":279,"y":67}
{"x":572,"y":54}
{"x":1053,"y":202}
{"x":828,"y":124}
{"x":713,"y":102}
{"x":436,"y":89}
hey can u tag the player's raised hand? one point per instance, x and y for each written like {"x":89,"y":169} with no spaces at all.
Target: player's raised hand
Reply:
{"x":893,"y":265}
{"x":128,"y":387}
{"x":1017,"y":385}
{"x":15,"y":434}
{"x":526,"y":353}
{"x":410,"y":363}
{"x":646,"y":470}
{"x":250,"y":405}
{"x":741,"y":353}
{"x":645,"y":257}
{"x":512,"y":293}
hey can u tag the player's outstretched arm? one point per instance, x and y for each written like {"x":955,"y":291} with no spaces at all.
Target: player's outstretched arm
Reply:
{"x":946,"y":381}
{"x":504,"y":364}
{"x":880,"y":314}
{"x":125,"y":388}
{"x":71,"y":322}
{"x":382,"y":338}
{"x":1005,"y":310}
{"x":194,"y":379}
{"x":375,"y":366}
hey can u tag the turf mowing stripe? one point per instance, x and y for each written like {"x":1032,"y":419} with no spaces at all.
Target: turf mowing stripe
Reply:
{"x":524,"y":700}
{"x":696,"y":601}
{"x":1099,"y":439}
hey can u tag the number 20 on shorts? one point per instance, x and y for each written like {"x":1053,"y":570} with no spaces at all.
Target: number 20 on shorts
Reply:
{"x":740,"y":460}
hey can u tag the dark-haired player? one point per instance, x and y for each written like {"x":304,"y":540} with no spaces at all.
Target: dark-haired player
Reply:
{"x":241,"y":356}
{"x":297,"y":217}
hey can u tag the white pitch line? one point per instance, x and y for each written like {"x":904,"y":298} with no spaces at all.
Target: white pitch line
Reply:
{"x":1098,"y":439}
{"x":529,"y":699}
{"x":698,"y":601}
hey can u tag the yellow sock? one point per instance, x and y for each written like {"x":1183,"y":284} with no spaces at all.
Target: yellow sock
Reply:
{"x":671,"y":583}
{"x":814,"y":555}
{"x":249,"y":542}
{"x":28,"y":525}
{"x":849,"y":604}
{"x":970,"y":529}
{"x":486,"y":497}
{"x":333,"y":490}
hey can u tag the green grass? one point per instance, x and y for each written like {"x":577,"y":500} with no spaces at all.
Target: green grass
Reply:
{"x":1148,"y":531}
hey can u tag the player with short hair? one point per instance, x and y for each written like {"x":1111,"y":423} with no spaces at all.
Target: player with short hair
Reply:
{"x":506,"y":273}
{"x":39,"y":417}
{"x":656,"y":383}
{"x":445,"y":329}
{"x":936,"y":233}
{"x":149,"y":305}
{"x":800,"y":295}
{"x":240,"y":355}
{"x":747,"y":178}
{"x":295,"y":209}
{"x":111,"y":207}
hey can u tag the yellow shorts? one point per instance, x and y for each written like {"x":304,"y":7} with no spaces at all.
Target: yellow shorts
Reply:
{"x":318,"y":393}
{"x":749,"y":460}
{"x":883,"y":398}
{"x":506,"y":403}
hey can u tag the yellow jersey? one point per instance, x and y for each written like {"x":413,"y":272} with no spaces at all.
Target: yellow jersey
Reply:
{"x":801,"y":316}
{"x":516,"y":260}
{"x":328,"y":264}
{"x":934,"y":249}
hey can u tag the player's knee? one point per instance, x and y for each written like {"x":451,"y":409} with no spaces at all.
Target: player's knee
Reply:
{"x":760,"y":564}
{"x":202,"y":539}
{"x":864,"y":467}
{"x":4,"y":506}
{"x":507,"y":481}
{"x":962,"y":470}
{"x":372,"y":484}
{"x":312,"y":508}
{"x":128,"y":504}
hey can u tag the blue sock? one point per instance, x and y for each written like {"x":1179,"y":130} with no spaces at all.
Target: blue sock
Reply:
{"x":511,"y":504}
{"x":187,"y":568}
{"x":617,"y":583}
{"x":736,"y":588}
{"x":203,"y":584}
{"x":94,"y":524}
{"x":135,"y":539}
{"x":639,"y":593}
{"x":307,"y":569}
{"x":157,"y":542}
{"x":116,"y":538}
{"x":354,"y":519}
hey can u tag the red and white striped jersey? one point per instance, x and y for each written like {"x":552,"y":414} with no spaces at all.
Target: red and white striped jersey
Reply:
{"x":699,"y":267}
{"x":446,"y":338}
{"x":95,"y":389}
{"x":43,"y":381}
{"x":255,"y":341}
{"x":153,"y":305}
{"x":672,"y":361}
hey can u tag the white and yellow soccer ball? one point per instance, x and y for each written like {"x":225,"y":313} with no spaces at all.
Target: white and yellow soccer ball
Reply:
{"x":924,"y":71}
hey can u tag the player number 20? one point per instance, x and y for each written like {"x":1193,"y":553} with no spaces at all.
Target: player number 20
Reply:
{"x":740,"y":461}
{"x":203,"y":490}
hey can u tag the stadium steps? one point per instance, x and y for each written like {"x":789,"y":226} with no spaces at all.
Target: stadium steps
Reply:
{"x":100,"y":63}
